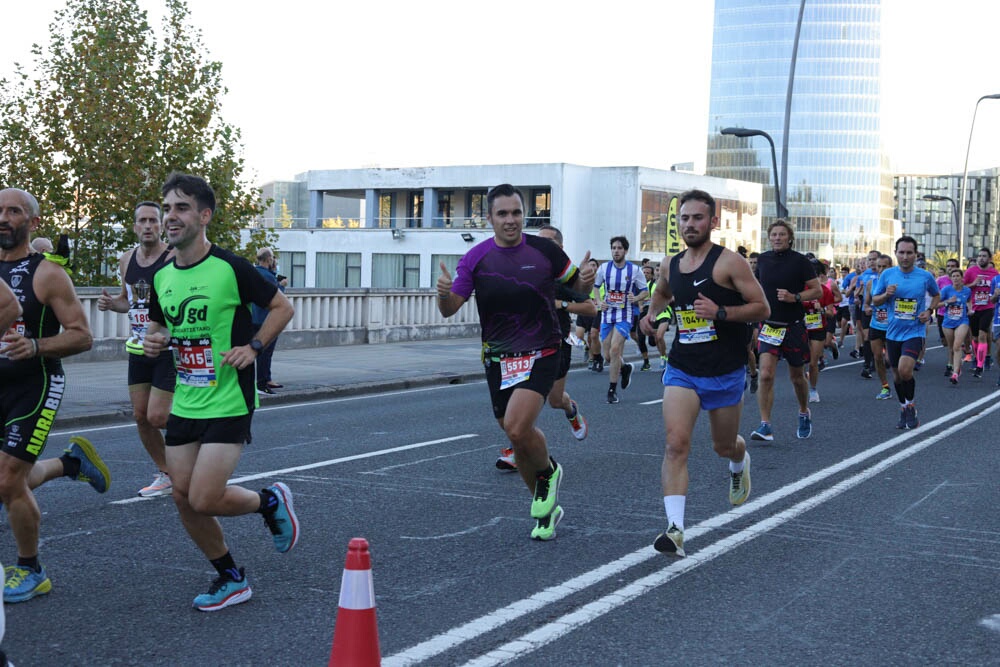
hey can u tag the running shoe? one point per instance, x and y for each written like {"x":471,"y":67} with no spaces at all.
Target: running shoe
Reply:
{"x":917,"y":366}
{"x":763,"y":432}
{"x":968,"y":357}
{"x":978,"y":372}
{"x":546,"y":493}
{"x":739,"y":488}
{"x":805,"y":426}
{"x":854,"y":354}
{"x":599,"y":365}
{"x":577,"y":423}
{"x":901,"y":424}
{"x":670,"y":542}
{"x":92,"y":468}
{"x":835,"y":351}
{"x":840,"y":343}
{"x":612,"y":396}
{"x":753,"y":384}
{"x":645,"y":365}
{"x":948,"y":370}
{"x":884,"y":394}
{"x":545,"y":528}
{"x":224,"y":592}
{"x":281,"y":519}
{"x":954,"y":378}
{"x":590,"y":364}
{"x":866,"y":373}
{"x":23,"y":583}
{"x":506,"y":460}
{"x":911,"y":417}
{"x":626,"y":376}
{"x":663,"y":363}
{"x":821,"y":364}
{"x":813,"y":396}
{"x":264,"y":390}
{"x":161,"y":486}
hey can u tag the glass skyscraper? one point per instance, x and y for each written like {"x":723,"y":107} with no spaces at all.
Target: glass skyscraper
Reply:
{"x":839,"y":196}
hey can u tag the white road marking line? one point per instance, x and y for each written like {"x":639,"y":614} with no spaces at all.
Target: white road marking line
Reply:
{"x":991,"y":622}
{"x":321,"y":464}
{"x":544,"y":635}
{"x":455,"y":636}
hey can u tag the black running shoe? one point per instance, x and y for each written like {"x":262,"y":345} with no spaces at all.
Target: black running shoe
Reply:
{"x":626,"y":375}
{"x":865,"y":373}
{"x":612,"y":396}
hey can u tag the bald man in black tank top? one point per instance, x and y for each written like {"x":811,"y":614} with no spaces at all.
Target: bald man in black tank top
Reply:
{"x":714,"y":295}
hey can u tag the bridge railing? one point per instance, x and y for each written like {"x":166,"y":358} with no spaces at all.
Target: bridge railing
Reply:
{"x":322,"y":317}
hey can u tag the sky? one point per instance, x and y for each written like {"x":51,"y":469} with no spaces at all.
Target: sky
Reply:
{"x":395,"y":83}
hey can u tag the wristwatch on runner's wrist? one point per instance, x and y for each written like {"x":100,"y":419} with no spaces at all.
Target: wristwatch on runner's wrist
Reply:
{"x":256,"y":346}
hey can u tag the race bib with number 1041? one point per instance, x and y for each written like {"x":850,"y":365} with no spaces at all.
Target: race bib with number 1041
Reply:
{"x":193,"y":359}
{"x":694,"y":329}
{"x":516,"y":368}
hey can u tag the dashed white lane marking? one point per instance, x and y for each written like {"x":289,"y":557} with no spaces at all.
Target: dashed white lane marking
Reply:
{"x":456,"y":636}
{"x":991,"y":622}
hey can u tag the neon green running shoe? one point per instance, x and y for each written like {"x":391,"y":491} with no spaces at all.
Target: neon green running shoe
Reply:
{"x":546,"y":493}
{"x":545,"y":529}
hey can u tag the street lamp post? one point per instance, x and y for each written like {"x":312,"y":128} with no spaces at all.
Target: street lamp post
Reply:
{"x":954,"y":208}
{"x":965,"y":177}
{"x":746,"y":132}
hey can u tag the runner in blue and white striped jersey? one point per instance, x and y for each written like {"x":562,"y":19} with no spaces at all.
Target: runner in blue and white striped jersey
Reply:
{"x":623,"y":284}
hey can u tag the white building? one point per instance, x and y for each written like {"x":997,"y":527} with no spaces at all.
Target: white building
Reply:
{"x":410,"y":220}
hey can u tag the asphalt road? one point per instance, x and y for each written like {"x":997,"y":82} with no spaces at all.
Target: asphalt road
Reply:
{"x":861,"y":545}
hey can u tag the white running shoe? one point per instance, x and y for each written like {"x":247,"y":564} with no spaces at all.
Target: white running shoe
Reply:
{"x":161,"y":486}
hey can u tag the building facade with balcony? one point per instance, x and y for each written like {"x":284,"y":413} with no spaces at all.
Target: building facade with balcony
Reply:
{"x":839,"y":187}
{"x":926,"y":206}
{"x":411,"y":220}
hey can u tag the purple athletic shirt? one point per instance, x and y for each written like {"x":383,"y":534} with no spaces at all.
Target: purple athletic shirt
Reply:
{"x":515,"y":292}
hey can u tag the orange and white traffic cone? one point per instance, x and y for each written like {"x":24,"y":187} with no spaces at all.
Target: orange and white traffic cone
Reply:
{"x":355,"y":635}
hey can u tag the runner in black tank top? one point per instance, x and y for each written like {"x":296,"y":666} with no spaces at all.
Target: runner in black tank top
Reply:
{"x":719,"y":349}
{"x":53,"y":325}
{"x":714,"y":295}
{"x":150,"y":381}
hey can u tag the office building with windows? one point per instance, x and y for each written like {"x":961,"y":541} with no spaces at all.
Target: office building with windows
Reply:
{"x":408,"y":221}
{"x":927,"y":209}
{"x":839,"y":187}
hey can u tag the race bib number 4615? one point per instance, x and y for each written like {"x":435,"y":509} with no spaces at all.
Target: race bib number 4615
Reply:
{"x":193,"y":359}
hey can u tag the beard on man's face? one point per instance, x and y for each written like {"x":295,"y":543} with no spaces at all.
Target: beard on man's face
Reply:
{"x":13,"y":238}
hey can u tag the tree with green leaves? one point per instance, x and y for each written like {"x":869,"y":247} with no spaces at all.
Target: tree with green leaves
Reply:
{"x":109,"y":109}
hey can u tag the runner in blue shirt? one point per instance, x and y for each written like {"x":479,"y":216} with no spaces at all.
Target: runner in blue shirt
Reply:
{"x":864,"y":280}
{"x":905,"y":289}
{"x":955,"y":299}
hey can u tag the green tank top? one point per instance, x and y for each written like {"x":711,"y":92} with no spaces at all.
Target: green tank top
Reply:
{"x":206,"y":308}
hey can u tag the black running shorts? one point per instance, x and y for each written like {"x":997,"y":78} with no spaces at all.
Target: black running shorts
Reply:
{"x":542,"y":377}
{"x":183,"y":431}
{"x":28,"y":407}
{"x":159,"y":372}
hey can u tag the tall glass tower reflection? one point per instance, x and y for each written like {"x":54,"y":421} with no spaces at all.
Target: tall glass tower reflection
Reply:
{"x":839,"y":184}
